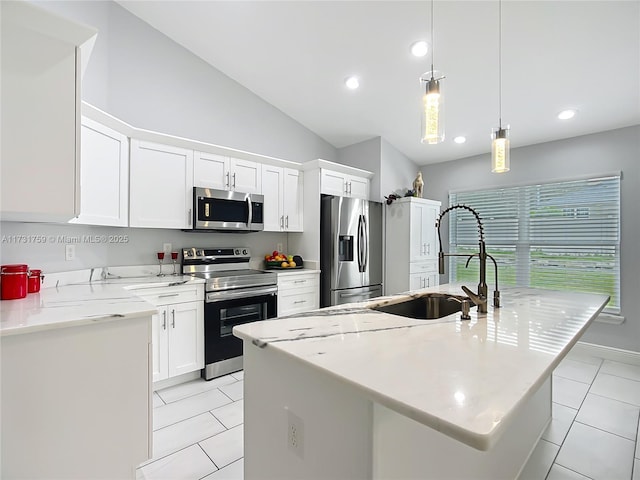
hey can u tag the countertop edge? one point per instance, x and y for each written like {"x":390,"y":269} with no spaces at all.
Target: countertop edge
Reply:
{"x":482,"y":441}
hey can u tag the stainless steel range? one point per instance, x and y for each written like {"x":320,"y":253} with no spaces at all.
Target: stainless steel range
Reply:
{"x":234,"y":294}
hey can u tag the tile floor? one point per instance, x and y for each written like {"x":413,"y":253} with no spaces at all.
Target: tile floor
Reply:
{"x":593,"y":433}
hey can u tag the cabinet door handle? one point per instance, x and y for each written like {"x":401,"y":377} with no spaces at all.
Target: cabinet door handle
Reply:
{"x":189,"y":217}
{"x":300,"y":281}
{"x":286,"y":221}
{"x":168,"y":295}
{"x":299,"y":301}
{"x":428,"y":281}
{"x":234,"y":181}
{"x":164,"y":320}
{"x":173,"y":318}
{"x":227,"y":183}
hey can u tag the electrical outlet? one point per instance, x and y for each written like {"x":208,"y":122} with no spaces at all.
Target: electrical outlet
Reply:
{"x":279,"y":247}
{"x":166,"y":248}
{"x":69,"y":252}
{"x":295,"y":434}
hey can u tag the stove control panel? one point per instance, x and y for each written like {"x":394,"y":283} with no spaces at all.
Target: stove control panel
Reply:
{"x":215,"y":255}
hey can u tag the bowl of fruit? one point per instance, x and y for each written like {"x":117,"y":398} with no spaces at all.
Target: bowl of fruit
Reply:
{"x":277,"y":260}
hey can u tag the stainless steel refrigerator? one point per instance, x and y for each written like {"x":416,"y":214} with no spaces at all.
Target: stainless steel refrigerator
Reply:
{"x":350,"y":250}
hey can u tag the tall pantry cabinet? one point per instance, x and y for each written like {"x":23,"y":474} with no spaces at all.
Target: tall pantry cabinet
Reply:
{"x":411,"y":259}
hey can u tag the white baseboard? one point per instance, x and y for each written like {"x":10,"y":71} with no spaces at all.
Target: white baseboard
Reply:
{"x":608,"y":353}
{"x":170,"y":382}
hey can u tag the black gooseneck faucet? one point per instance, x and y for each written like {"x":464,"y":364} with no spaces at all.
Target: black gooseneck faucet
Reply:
{"x":480,"y":298}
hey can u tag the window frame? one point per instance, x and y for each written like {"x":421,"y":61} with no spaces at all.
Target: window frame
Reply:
{"x":524,"y":244}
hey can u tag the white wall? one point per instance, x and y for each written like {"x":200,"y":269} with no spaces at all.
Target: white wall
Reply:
{"x":42,"y":245}
{"x":596,"y":154}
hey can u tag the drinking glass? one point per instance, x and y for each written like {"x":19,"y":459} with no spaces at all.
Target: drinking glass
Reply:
{"x":174,"y":259}
{"x":160,"y":259}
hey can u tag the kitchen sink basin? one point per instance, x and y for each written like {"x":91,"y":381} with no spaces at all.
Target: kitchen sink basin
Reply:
{"x":426,"y":307}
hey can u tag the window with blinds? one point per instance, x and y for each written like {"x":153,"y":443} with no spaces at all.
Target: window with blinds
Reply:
{"x":560,"y":236}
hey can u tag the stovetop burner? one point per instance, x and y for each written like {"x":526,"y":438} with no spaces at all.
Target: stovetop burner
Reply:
{"x":224,"y":268}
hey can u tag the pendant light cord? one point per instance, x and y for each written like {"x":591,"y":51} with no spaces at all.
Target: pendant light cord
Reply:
{"x":500,"y":64}
{"x":432,"y":36}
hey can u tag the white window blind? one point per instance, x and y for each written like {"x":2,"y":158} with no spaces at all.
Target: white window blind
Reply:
{"x":560,"y":236}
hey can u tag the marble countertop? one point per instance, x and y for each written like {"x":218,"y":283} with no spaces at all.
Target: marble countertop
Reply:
{"x":465,"y":379}
{"x":82,"y":303}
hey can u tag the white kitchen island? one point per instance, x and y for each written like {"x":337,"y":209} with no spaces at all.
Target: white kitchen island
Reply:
{"x":352,"y":393}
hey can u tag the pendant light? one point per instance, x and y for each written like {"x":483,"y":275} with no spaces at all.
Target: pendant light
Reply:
{"x":432,"y":101}
{"x":500,"y":161}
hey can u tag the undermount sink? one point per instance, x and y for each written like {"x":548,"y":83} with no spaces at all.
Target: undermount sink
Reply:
{"x":426,"y":307}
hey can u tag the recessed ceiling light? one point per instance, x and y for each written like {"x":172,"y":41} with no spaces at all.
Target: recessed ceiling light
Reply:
{"x":566,"y":114}
{"x":420,"y":48}
{"x":352,"y":82}
{"x":460,"y":139}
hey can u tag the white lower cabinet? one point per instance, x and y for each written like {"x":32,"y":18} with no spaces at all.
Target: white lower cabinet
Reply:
{"x":177,"y":330}
{"x":422,"y":275}
{"x":298,"y":291}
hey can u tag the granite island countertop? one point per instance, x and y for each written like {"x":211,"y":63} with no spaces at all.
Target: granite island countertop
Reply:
{"x":465,"y":379}
{"x":83,"y":303}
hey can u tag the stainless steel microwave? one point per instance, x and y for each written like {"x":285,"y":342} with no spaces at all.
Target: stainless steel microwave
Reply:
{"x":222,"y":210}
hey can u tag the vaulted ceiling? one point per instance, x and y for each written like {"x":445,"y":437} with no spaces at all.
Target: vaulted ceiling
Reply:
{"x":296,"y":55}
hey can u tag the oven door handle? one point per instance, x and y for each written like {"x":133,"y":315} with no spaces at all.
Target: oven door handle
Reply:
{"x":250,"y":217}
{"x":230,"y":295}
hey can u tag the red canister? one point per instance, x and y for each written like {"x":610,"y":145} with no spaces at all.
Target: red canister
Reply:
{"x":13,"y":281}
{"x":33,"y":283}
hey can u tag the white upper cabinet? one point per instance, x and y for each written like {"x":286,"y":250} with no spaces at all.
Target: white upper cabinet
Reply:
{"x":104,"y":180}
{"x":292,"y":200}
{"x":226,"y":173}
{"x":282,"y":190}
{"x":343,"y":184}
{"x":422,"y":232}
{"x":40,"y":104}
{"x":161,"y":186}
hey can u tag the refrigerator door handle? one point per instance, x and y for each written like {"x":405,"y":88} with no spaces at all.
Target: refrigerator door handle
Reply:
{"x":365,"y":242}
{"x":360,"y":244}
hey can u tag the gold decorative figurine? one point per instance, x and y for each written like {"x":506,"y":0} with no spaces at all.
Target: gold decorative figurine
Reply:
{"x":417,"y":186}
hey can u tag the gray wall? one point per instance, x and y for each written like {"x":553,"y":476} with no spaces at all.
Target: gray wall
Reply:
{"x":397,"y":172}
{"x":364,"y":155}
{"x":600,"y":153}
{"x":139,"y":75}
{"x":393,"y":170}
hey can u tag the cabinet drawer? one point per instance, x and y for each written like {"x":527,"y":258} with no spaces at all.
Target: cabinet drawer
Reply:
{"x":167,"y":295}
{"x":290,"y":281}
{"x":298,"y":301}
{"x":425,"y":267}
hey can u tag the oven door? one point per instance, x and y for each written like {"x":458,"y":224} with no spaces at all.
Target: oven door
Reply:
{"x":224,"y":310}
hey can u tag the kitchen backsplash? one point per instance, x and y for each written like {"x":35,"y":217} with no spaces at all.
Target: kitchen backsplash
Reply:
{"x":43,"y":245}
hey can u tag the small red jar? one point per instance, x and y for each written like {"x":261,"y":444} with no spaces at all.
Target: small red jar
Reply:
{"x":33,"y":283}
{"x":13,"y":281}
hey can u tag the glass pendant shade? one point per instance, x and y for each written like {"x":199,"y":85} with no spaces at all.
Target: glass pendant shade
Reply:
{"x":432,"y":109}
{"x":500,"y":161}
